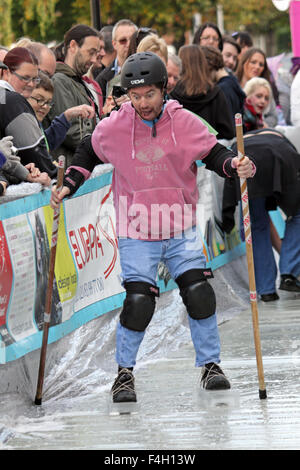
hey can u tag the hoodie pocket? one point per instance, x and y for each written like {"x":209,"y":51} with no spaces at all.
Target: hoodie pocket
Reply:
{"x":158,"y":213}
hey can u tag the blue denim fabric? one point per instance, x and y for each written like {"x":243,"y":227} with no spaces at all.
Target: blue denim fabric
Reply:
{"x":264,"y":261}
{"x":289,"y":262}
{"x":139,"y":262}
{"x":265,"y":267}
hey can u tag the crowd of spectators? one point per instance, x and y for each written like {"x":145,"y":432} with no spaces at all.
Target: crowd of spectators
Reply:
{"x":50,"y":98}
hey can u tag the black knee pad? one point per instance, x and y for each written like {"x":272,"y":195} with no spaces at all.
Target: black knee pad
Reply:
{"x":197,"y":294}
{"x":139,"y":305}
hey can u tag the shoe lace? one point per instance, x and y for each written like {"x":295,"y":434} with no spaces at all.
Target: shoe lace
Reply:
{"x":124,"y":381}
{"x":210,"y":371}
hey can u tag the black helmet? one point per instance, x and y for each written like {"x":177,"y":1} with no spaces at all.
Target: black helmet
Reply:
{"x":143,"y":68}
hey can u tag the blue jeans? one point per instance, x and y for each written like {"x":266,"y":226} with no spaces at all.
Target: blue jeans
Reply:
{"x":139,"y":262}
{"x":289,"y":262}
{"x":264,"y":262}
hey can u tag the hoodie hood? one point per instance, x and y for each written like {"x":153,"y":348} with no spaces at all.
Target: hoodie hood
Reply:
{"x":195,"y":102}
{"x":211,"y":106}
{"x":169,"y":111}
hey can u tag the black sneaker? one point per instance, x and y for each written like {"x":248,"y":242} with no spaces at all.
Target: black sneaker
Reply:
{"x":269,"y":297}
{"x":213,"y":378}
{"x":290,"y":283}
{"x":123,"y":387}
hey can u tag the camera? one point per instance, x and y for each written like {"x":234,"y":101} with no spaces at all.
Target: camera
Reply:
{"x":118,"y":91}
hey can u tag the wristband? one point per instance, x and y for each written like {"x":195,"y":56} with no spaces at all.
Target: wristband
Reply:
{"x":73,"y":180}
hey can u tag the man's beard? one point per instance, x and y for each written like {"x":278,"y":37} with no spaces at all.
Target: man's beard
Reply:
{"x":79,"y":65}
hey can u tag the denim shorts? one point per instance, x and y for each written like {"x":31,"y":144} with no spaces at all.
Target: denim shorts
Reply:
{"x":140,"y":258}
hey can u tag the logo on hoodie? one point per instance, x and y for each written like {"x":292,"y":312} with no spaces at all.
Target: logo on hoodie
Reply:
{"x":151,"y":156}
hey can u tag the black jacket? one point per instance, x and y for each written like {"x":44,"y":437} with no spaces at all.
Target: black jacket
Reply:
{"x":234,"y":94}
{"x":211,"y":106}
{"x":277,"y":177}
{"x":104,"y":77}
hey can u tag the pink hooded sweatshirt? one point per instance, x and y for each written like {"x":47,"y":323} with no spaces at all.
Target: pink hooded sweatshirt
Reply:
{"x":154,"y":179}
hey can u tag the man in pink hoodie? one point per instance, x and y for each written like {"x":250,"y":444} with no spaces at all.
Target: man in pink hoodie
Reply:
{"x":153,"y":146}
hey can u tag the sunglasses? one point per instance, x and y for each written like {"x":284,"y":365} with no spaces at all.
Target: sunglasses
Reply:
{"x":123,"y":41}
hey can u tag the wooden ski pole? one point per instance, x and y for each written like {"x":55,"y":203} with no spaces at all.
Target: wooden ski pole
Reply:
{"x":48,"y":303}
{"x":250,"y":261}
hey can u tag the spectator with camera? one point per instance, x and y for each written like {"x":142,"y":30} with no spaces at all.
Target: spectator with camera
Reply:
{"x":81,"y":47}
{"x":41,"y":101}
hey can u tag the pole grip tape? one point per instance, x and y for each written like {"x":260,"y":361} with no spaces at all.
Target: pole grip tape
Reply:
{"x":47,"y":317}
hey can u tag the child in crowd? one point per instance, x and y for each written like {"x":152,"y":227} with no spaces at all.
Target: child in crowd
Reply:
{"x":41,"y":102}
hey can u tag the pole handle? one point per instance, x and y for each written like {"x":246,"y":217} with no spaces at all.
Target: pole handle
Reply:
{"x":48,"y":301}
{"x":60,"y":172}
{"x":239,"y":136}
{"x":250,"y":261}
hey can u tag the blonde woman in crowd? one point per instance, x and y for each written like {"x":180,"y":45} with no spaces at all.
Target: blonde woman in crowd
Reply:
{"x":153,"y":43}
{"x":258,"y":98}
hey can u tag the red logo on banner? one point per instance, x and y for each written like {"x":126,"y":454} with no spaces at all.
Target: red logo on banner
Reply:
{"x":86,"y":244}
{"x":106,"y":227}
{"x":6,"y":276}
{"x":89,"y":242}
